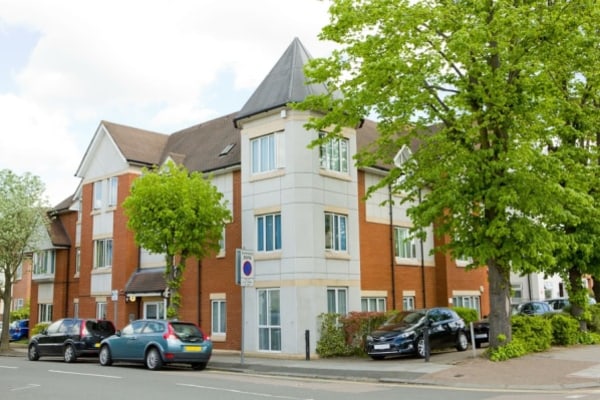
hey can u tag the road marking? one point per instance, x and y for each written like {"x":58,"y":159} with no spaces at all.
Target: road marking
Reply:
{"x":29,"y":386}
{"x":243,"y":392}
{"x":4,"y":366}
{"x":79,"y":373}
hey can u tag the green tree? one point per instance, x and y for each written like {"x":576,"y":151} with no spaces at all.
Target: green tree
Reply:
{"x":22,"y":219}
{"x":178,"y":214}
{"x":471,"y":82}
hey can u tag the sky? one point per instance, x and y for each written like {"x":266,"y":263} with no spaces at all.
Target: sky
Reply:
{"x":67,"y":65}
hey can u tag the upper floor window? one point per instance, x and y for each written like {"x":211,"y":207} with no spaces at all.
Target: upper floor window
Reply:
{"x":263,"y":154}
{"x":103,"y":253}
{"x":336,"y":232}
{"x":268,"y":232}
{"x":405,"y":246}
{"x":334,"y":155}
{"x":19,"y":272}
{"x":44,"y":262}
{"x":113,"y":186}
{"x":97,"y":195}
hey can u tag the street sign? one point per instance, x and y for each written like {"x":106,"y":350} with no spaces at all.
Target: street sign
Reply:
{"x":245,"y":267}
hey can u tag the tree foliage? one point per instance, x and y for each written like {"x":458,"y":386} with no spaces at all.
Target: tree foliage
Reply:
{"x":178,"y":214}
{"x":495,"y":94}
{"x":22,"y":218}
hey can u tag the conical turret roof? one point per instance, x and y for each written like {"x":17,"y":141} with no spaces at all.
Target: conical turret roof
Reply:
{"x":284,"y":84}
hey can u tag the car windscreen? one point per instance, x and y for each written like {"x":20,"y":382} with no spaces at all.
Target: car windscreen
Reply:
{"x":405,"y":318}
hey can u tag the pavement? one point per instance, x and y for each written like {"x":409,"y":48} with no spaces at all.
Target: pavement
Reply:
{"x":560,"y":368}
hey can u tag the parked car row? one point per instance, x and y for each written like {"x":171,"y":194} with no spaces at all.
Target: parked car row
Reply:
{"x":17,"y":330}
{"x":152,"y":342}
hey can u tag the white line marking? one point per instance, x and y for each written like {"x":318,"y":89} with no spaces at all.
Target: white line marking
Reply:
{"x":7,"y":367}
{"x":243,"y":392}
{"x":79,"y":373}
{"x":29,"y":386}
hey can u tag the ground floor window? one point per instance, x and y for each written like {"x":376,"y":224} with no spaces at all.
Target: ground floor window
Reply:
{"x":337,"y":301}
{"x":219,"y":317}
{"x":269,"y":320}
{"x":45,"y":312}
{"x":154,"y":310}
{"x":75,"y":310}
{"x":468,"y":302}
{"x":408,"y":303}
{"x":101,"y":310}
{"x":376,"y":304}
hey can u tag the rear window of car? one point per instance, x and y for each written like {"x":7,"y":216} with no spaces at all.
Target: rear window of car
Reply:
{"x":100,"y":327}
{"x":185,"y":330}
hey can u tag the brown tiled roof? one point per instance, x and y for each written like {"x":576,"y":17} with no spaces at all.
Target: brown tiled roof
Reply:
{"x":146,"y":280}
{"x":199,"y":147}
{"x":58,"y":234}
{"x":139,"y":146}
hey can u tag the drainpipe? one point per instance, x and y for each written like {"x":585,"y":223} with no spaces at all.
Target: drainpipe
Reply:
{"x":199,"y":313}
{"x":392,"y":254}
{"x":422,"y":263}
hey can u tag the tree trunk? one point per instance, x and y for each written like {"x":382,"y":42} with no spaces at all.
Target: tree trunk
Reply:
{"x":6,"y":295}
{"x":578,"y":297}
{"x":500,"y":310}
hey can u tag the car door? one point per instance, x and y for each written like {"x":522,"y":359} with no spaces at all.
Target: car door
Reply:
{"x":127,"y":345}
{"x":436,"y":328}
{"x":50,"y":343}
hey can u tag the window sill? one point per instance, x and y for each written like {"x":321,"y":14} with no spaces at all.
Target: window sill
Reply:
{"x":333,"y":255}
{"x":344,"y":176}
{"x":259,"y":176}
{"x":271,"y":255}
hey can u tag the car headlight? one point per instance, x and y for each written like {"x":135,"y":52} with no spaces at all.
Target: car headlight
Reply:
{"x":369,"y":338}
{"x":404,"y":335}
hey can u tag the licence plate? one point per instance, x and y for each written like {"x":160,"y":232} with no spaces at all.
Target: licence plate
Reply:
{"x":192,"y":348}
{"x":381,"y":346}
{"x":481,"y":336}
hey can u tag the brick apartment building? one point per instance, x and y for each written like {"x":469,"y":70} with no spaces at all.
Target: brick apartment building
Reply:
{"x":317,"y":246}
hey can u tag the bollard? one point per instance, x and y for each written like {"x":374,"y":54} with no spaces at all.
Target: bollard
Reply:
{"x":426,"y":343}
{"x":307,"y":343}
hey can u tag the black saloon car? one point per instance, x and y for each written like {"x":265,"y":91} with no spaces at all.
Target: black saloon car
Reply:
{"x":404,"y":333}
{"x":70,"y":338}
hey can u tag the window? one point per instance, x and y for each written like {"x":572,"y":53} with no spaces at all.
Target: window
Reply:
{"x":268,"y":232}
{"x":263,"y":154}
{"x":77,"y":260}
{"x":219,"y":317}
{"x":408,"y":303}
{"x":370,"y":304}
{"x":517,"y":292}
{"x":44,"y":262}
{"x":335,"y":232}
{"x":113,"y":183}
{"x":97,"y":195}
{"x":103,"y":253}
{"x":467,"y":302}
{"x":154,"y":310}
{"x":18,"y":304}
{"x":101,"y":310}
{"x":19,"y":272}
{"x":334,"y":155}
{"x":337,"y":301}
{"x":269,"y":320}
{"x":75,"y":310}
{"x":222,"y":243}
{"x":45,"y":312}
{"x":405,"y":246}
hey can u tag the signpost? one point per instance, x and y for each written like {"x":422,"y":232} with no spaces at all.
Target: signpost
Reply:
{"x":244,"y":276}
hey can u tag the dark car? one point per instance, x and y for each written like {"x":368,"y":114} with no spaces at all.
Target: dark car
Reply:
{"x":534,"y":308}
{"x":404,"y":333}
{"x":18,"y":330}
{"x":481,"y":332}
{"x":156,"y":343}
{"x":70,"y":338}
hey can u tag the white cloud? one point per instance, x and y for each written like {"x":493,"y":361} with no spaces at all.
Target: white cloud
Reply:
{"x":152,"y":64}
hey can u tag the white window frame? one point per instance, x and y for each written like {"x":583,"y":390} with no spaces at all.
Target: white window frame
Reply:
{"x":101,"y":310}
{"x":77,"y":260}
{"x":373,"y":304}
{"x":160,"y":309}
{"x":103,"y":253}
{"x":113,"y":189}
{"x":336,"y":232}
{"x":45,"y":312}
{"x":469,"y":301}
{"x":263,"y":154}
{"x":218,"y":316}
{"x":266,"y":234}
{"x":334,"y":154}
{"x":44,"y":263}
{"x":269,"y":320}
{"x":405,"y":246}
{"x":408,"y":303}
{"x":337,"y":300}
{"x":98,"y":195}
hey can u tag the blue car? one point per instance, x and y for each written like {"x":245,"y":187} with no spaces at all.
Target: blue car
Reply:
{"x":18,"y":330}
{"x":156,"y":343}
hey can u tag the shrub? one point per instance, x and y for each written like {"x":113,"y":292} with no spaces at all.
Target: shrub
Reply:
{"x":516,"y":348}
{"x":565,"y":329}
{"x":357,"y":325}
{"x":535,"y":332}
{"x":467,"y":314}
{"x":38,"y":328}
{"x":594,"y":322}
{"x":332,"y":341}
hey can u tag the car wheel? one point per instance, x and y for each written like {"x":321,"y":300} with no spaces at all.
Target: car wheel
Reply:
{"x":421,"y":347}
{"x":69,"y":353}
{"x":104,"y":356}
{"x":199,"y":366}
{"x":462,"y":342}
{"x":33,"y":353}
{"x":153,"y":360}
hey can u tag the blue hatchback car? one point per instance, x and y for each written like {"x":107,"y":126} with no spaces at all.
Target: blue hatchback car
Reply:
{"x":18,"y":330}
{"x":156,"y":343}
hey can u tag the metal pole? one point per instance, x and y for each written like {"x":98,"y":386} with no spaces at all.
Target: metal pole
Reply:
{"x":243,"y":323}
{"x":307,"y":343}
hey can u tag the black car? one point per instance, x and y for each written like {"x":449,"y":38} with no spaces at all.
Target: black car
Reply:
{"x":481,"y":332}
{"x":70,"y":338}
{"x":534,"y":308}
{"x":404,"y":332}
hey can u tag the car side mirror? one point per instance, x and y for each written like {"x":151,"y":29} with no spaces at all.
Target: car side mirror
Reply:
{"x":118,"y":332}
